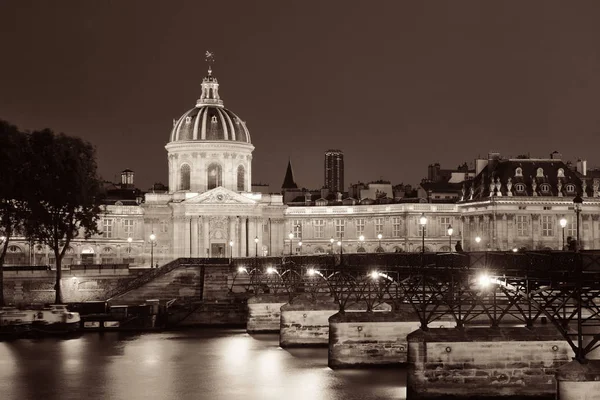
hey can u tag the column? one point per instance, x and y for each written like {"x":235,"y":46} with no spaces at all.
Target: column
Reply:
{"x":243,"y":238}
{"x":205,"y":236}
{"x":232,"y":237}
{"x":195,"y":252}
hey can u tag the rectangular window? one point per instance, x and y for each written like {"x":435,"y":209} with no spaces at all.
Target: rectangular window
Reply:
{"x":360,"y":226}
{"x":128,"y":228}
{"x":319,"y":228}
{"x":547,"y":226}
{"x":522,"y":225}
{"x":444,"y":223}
{"x":266,"y":227}
{"x":164,"y":226}
{"x":396,"y":227}
{"x":378,"y":226}
{"x":339,"y":228}
{"x":107,"y":228}
{"x":571,"y":227}
{"x":297,"y":229}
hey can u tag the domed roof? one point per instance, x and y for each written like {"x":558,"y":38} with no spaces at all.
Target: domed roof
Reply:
{"x":209,"y":120}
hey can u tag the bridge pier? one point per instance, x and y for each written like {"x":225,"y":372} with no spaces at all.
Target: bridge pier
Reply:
{"x":579,"y":381}
{"x":264,"y":313}
{"x":485,"y":362}
{"x":371,"y":339}
{"x":305,"y":321}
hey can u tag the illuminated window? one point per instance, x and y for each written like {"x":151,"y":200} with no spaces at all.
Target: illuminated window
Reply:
{"x":107,"y":228}
{"x":184,"y":177}
{"x":241,"y":178}
{"x":547,"y":226}
{"x":522,"y":225}
{"x":360,"y":226}
{"x":214,"y":176}
{"x":319,"y":225}
{"x":444,"y":222}
{"x":378,"y":226}
{"x":339,"y":227}
{"x":396,"y":227}
{"x":128,"y":227}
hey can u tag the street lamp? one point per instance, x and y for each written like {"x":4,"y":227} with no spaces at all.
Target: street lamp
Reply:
{"x":300,"y":246}
{"x":129,"y":240}
{"x":152,"y":239}
{"x":361,"y":240}
{"x":291,"y":236}
{"x":331,"y":245}
{"x":230,"y":250}
{"x":256,"y":246}
{"x":563,"y":224}
{"x":379,"y":236}
{"x":478,"y":240}
{"x":423,"y":222}
{"x":577,"y":201}
{"x":450,"y":231}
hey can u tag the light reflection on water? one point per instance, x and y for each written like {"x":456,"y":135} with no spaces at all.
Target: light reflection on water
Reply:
{"x":195,"y":364}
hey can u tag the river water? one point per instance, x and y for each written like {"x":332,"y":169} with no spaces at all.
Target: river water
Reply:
{"x":193,"y":364}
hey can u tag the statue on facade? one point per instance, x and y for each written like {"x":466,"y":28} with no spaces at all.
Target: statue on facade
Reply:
{"x":584,"y":188}
{"x":559,"y":188}
{"x":498,"y":187}
{"x":534,"y":186}
{"x":509,"y":187}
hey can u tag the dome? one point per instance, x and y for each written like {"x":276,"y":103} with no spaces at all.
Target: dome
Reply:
{"x":209,"y":120}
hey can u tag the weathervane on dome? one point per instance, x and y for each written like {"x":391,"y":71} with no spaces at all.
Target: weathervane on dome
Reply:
{"x":209,"y":57}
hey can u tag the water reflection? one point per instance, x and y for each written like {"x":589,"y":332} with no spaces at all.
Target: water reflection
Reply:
{"x":196,"y":364}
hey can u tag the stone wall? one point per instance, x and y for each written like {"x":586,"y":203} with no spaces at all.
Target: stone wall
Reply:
{"x":38,"y":287}
{"x":228,"y":313}
{"x":485,"y":362}
{"x":264,"y":313}
{"x":305,"y":321}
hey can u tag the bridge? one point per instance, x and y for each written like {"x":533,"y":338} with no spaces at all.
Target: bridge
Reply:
{"x":560,"y":288}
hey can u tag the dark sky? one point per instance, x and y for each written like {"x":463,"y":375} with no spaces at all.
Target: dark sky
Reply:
{"x":396,"y":85}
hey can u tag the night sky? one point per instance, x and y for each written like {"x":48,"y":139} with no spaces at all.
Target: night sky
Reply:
{"x":396,"y":85}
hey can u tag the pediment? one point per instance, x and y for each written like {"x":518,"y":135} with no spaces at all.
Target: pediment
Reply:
{"x":219,"y":195}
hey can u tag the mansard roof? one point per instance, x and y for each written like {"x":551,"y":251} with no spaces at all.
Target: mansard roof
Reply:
{"x":527,"y":177}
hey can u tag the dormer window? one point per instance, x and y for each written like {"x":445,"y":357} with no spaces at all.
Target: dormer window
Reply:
{"x":540,"y":173}
{"x":570,"y":188}
{"x":561,"y":173}
{"x":519,"y":171}
{"x":188,"y":120}
{"x":545,"y":188}
{"x":520,"y":187}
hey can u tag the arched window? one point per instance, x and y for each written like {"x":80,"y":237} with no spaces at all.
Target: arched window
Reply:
{"x":519,"y":187}
{"x":214,"y":176}
{"x":184,"y":177}
{"x":361,"y":250}
{"x":561,"y":173}
{"x":540,"y":173}
{"x":241,"y":178}
{"x":519,"y":171}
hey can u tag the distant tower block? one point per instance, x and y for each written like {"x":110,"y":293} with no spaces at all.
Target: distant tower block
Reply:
{"x":334,"y":170}
{"x":126,"y":178}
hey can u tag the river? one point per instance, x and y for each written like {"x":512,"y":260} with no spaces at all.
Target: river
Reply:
{"x":192,"y":364}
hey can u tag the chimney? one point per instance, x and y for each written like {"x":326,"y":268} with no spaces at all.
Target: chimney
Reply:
{"x":339,"y":196}
{"x":555,"y":156}
{"x":324,"y":192}
{"x":581,"y":167}
{"x":493,"y":158}
{"x":480,"y":164}
{"x":307,"y":198}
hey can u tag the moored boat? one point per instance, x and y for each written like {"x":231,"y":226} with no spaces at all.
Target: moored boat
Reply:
{"x":15,"y":323}
{"x":55,"y":319}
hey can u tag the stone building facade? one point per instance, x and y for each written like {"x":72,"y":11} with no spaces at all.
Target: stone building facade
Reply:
{"x":210,"y":211}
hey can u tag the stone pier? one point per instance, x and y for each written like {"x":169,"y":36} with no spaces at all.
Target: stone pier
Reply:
{"x":305,"y":321}
{"x":485,"y":362}
{"x":264,"y":313}
{"x":372,"y":339}
{"x":578,"y":381}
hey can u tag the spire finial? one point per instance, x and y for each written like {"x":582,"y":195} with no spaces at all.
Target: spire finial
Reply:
{"x":209,"y":57}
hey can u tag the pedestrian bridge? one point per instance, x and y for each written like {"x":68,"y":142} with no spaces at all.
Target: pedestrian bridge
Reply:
{"x":494,"y":288}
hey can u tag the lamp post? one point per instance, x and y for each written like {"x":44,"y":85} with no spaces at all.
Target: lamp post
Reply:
{"x":423,"y":222}
{"x":563,"y":224}
{"x":450,"y":231}
{"x":477,"y":240}
{"x":230,"y":250}
{"x":256,"y":246}
{"x":577,"y":201}
{"x":331,"y":245}
{"x":152,"y":239}
{"x":379,"y":237}
{"x":300,"y":247}
{"x":361,"y":240}
{"x":291,"y":236}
